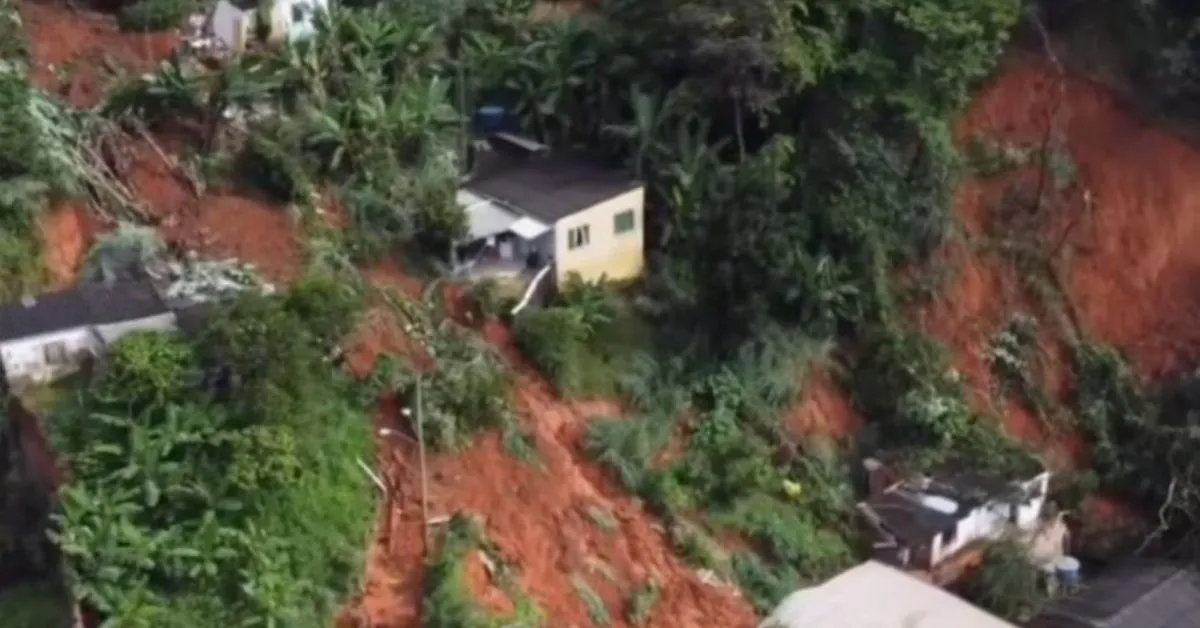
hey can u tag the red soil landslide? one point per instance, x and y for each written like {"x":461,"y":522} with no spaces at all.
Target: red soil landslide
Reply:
{"x":825,"y":409}
{"x":74,"y":50}
{"x":1130,"y":265}
{"x":67,"y":234}
{"x":542,"y":521}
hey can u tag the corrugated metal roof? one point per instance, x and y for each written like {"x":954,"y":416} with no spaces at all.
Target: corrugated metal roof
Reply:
{"x":873,"y":595}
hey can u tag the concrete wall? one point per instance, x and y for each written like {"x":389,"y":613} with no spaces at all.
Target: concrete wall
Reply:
{"x":616,"y":257}
{"x":25,"y":359}
{"x":231,"y":25}
{"x":992,"y":520}
{"x":113,"y":332}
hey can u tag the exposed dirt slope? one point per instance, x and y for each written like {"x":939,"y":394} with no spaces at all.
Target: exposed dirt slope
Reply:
{"x":77,"y":53}
{"x":549,"y":523}
{"x":77,"y":49}
{"x":544,"y":522}
{"x":1127,"y":228}
{"x":824,"y":410}
{"x":67,"y":234}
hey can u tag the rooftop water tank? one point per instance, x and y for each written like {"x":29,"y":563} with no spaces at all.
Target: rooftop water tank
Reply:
{"x":491,"y":119}
{"x":1066,"y":569}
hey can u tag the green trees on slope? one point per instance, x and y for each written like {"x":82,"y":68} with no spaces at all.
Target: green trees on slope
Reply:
{"x":215,"y":481}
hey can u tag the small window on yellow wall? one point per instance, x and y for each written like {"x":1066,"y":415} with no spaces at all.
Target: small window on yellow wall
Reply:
{"x":578,"y":237}
{"x":623,"y":222}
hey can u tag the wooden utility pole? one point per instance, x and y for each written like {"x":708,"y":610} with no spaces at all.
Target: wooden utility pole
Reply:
{"x":421,"y":459}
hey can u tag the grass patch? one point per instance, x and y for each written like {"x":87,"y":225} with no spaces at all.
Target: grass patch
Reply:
{"x":596,"y":609}
{"x":642,"y":603}
{"x":45,"y":399}
{"x":794,"y":512}
{"x":603,"y":519}
{"x":448,"y":601}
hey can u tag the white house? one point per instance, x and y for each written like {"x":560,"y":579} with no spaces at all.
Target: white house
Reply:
{"x":528,"y":207}
{"x":45,"y":337}
{"x":874,"y":595}
{"x":920,"y":522}
{"x":235,"y":23}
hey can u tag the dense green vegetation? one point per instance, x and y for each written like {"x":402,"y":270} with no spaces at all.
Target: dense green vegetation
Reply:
{"x":29,"y":171}
{"x":215,"y":479}
{"x":799,"y":169}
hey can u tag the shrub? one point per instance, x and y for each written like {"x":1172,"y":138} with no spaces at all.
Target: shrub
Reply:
{"x":1006,"y":585}
{"x":274,"y":166}
{"x":326,"y":304}
{"x":148,"y":367}
{"x":554,"y":339}
{"x":155,"y":15}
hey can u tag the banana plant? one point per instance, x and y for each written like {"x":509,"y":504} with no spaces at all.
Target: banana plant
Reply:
{"x":549,"y":79}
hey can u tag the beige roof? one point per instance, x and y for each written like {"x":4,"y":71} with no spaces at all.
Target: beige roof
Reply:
{"x":873,"y":595}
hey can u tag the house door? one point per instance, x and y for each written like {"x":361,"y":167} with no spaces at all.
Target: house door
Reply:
{"x":505,"y":247}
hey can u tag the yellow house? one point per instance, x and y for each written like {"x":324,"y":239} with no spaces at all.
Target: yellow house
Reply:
{"x":530,"y":208}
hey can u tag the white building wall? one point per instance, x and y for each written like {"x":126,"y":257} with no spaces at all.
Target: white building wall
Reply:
{"x":1028,"y":515}
{"x":992,"y":520}
{"x":230,"y":25}
{"x":25,"y":359}
{"x":115,"y":331}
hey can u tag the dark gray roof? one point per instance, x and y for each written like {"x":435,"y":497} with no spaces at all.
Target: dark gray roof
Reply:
{"x":901,"y":512}
{"x":87,"y":304}
{"x":1136,"y":595}
{"x":907,"y":519}
{"x":53,"y":311}
{"x":121,"y":301}
{"x":548,"y":186}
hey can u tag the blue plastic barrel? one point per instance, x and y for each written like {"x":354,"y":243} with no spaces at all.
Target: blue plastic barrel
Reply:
{"x":490,"y":119}
{"x":1066,"y":569}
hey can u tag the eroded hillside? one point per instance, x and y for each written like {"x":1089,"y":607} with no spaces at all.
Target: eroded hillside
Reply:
{"x":1113,"y":237}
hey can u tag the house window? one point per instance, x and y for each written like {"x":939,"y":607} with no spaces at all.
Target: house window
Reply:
{"x":578,"y":237}
{"x":623,"y":222}
{"x":55,"y":353}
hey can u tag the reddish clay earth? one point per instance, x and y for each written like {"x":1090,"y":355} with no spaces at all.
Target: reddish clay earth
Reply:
{"x":1130,"y":270}
{"x":1129,"y":278}
{"x":77,"y":50}
{"x":542,"y":521}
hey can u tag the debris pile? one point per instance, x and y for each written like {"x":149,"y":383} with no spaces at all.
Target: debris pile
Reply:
{"x":195,"y":280}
